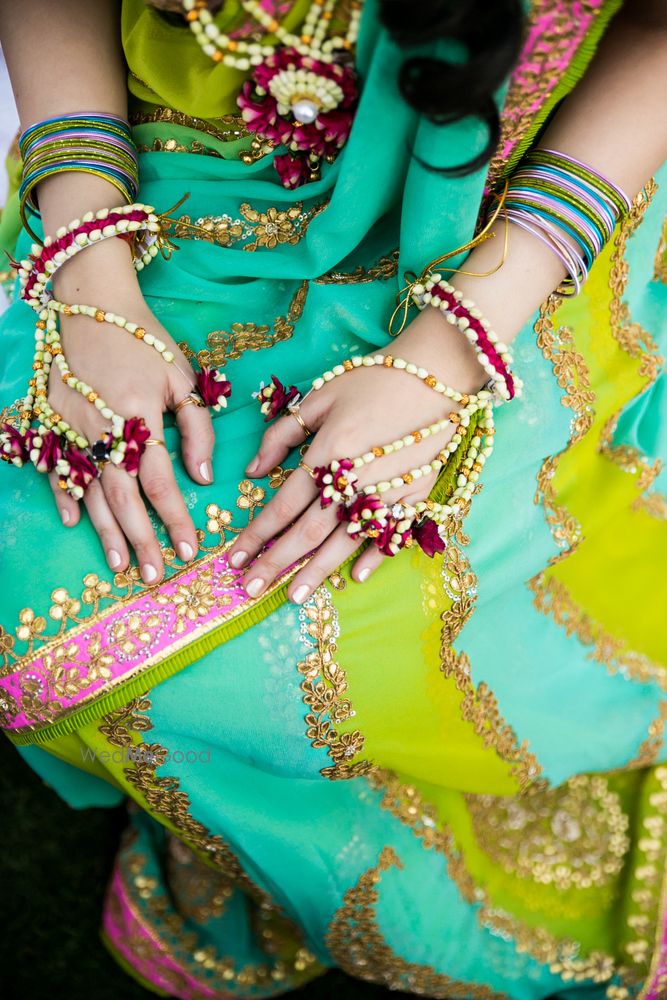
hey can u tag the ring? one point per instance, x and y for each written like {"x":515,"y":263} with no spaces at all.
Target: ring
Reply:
{"x":151,"y":441}
{"x":295,"y":411}
{"x":190,"y":398}
{"x":306,"y":468}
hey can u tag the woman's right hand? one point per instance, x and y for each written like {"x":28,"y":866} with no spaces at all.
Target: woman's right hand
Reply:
{"x":135,"y":382}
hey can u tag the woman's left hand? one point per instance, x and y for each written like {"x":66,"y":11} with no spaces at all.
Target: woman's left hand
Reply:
{"x":348,"y":416}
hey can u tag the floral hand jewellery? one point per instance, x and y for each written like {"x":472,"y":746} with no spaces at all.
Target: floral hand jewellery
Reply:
{"x":394,"y":526}
{"x":53,"y":444}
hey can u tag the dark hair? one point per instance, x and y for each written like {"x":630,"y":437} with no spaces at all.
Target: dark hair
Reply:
{"x":490,"y":34}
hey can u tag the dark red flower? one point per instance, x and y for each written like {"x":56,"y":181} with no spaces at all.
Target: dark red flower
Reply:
{"x":292,"y":170}
{"x":213,"y":387}
{"x":335,"y":481}
{"x":135,"y":436}
{"x":367,"y":516}
{"x":82,"y":470}
{"x":428,"y":537}
{"x":13,"y":445}
{"x":275,"y":397}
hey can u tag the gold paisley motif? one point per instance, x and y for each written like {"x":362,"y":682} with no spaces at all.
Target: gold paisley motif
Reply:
{"x":358,"y":947}
{"x":571,"y":836}
{"x":552,"y":598}
{"x":324,"y":686}
{"x":228,"y":345}
{"x":479,"y":705}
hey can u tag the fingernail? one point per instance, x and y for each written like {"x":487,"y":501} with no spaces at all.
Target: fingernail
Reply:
{"x":66,"y":516}
{"x":253,"y":467}
{"x":254,"y":587}
{"x":148,"y":572}
{"x":301,"y":593}
{"x":206,"y":472}
{"x":238,"y":558}
{"x":363,"y":574}
{"x":185,"y":551}
{"x":113,"y":558}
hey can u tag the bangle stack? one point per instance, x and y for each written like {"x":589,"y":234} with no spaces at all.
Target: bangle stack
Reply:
{"x":97,"y":144}
{"x":392,"y":527}
{"x":569,"y":206}
{"x":53,"y":444}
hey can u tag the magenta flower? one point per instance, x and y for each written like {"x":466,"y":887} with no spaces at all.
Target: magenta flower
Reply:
{"x":45,"y":449}
{"x":427,"y":535}
{"x":367,"y":516}
{"x":135,"y":436}
{"x":335,"y":481}
{"x":276,"y":397}
{"x":213,"y":387}
{"x":303,"y":103}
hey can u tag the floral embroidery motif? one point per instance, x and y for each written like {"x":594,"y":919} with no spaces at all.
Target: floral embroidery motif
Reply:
{"x":406,"y":803}
{"x":226,"y":128}
{"x":384,"y":269}
{"x":228,"y":345}
{"x":253,"y":229}
{"x":324,"y":686}
{"x":573,"y":835}
{"x":660,"y":263}
{"x":358,"y":947}
{"x":479,"y":705}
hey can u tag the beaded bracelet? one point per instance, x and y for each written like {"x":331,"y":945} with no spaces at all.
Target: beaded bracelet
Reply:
{"x":461,"y":313}
{"x":97,"y":144}
{"x":54,"y":444}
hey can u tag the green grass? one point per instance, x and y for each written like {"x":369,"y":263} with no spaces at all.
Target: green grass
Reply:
{"x":54,"y":867}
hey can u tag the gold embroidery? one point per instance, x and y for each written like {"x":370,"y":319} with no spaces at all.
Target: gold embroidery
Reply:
{"x":573,"y":835}
{"x":172,"y":145}
{"x":572,"y":375}
{"x":269,"y":229}
{"x":324,"y":685}
{"x":650,"y":748}
{"x":202,"y":894}
{"x":406,"y":803}
{"x":638,"y":343}
{"x":226,"y":129}
{"x":550,"y":32}
{"x":384,"y":269}
{"x":224,"y":345}
{"x":551,"y":597}
{"x":164,"y":798}
{"x":660,"y":262}
{"x":479,"y":705}
{"x":358,"y":947}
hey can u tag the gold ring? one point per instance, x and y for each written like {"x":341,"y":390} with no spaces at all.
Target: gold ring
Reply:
{"x":306,"y":468}
{"x":151,"y":441}
{"x":295,"y":411}
{"x":190,"y":398}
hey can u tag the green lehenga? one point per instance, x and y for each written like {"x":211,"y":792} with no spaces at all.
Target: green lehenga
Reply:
{"x":450,"y":780}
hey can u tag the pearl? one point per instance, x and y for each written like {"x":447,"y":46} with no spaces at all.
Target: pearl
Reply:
{"x":305,"y":111}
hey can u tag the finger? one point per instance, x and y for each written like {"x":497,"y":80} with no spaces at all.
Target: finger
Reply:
{"x":367,"y":563}
{"x":282,"y":510}
{"x":122,"y":495}
{"x":68,"y":508}
{"x":326,"y":559}
{"x":156,"y":475}
{"x":283,"y":435}
{"x":308,"y":533}
{"x":107,"y":527}
{"x":197,"y":441}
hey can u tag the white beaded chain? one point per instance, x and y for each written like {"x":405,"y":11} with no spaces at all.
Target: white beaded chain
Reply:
{"x":312,"y":41}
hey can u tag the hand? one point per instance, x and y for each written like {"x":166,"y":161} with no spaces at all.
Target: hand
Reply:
{"x":351,"y":414}
{"x":134,"y":381}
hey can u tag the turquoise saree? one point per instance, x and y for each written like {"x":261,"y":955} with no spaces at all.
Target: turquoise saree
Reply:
{"x":452,"y":780}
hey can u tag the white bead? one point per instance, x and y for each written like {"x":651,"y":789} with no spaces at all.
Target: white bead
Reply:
{"x":318,"y":383}
{"x":368,"y":457}
{"x":328,"y":376}
{"x":167,"y":356}
{"x":149,"y":339}
{"x":367,"y":362}
{"x":159,"y":345}
{"x":400,"y":363}
{"x":357,"y":360}
{"x":338,"y":370}
{"x":397,"y":482}
{"x":411,"y":369}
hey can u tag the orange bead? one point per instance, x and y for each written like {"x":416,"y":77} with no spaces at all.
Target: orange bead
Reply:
{"x":91,"y":397}
{"x":388,"y":361}
{"x":99,"y":315}
{"x":232,"y":45}
{"x":431,"y":381}
{"x":378,"y":452}
{"x":140,"y":333}
{"x":407,"y":478}
{"x":41,"y":325}
{"x":217,"y":56}
{"x":347,"y":365}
